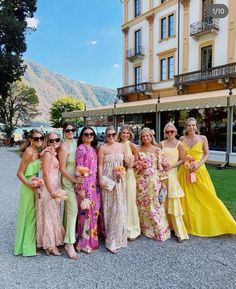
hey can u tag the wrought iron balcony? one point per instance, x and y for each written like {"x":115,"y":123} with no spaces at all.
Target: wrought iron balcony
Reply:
{"x":144,"y":87}
{"x":135,"y":53}
{"x":204,"y":26}
{"x":217,"y":72}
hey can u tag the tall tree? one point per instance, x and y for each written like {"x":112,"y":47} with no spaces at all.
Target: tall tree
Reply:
{"x":65,"y":103}
{"x":13,"y":27}
{"x":20,"y":106}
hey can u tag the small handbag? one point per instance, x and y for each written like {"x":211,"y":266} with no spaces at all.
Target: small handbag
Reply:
{"x":110,"y":184}
{"x":162,"y":195}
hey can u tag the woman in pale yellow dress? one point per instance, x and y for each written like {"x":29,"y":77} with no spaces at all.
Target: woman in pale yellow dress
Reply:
{"x":174,"y":152}
{"x":204,"y":213}
{"x":126,"y":136}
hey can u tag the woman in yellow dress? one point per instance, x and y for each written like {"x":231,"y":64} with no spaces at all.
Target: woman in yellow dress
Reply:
{"x":126,"y":136}
{"x":204,"y":213}
{"x":174,"y":152}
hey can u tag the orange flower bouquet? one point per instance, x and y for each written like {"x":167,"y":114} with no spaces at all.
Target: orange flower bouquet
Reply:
{"x":82,"y":171}
{"x":119,"y":172}
{"x":189,"y":165}
{"x":60,"y":194}
{"x":37,"y":183}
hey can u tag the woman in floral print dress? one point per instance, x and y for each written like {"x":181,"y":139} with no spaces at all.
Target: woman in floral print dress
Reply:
{"x":86,"y":156}
{"x":150,"y":179}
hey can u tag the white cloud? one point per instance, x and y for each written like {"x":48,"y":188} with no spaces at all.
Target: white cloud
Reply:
{"x":32,"y":22}
{"x":82,"y":81}
{"x":91,"y":42}
{"x":116,"y":65}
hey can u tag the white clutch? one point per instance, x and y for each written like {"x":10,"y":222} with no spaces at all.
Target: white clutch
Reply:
{"x":110,"y":184}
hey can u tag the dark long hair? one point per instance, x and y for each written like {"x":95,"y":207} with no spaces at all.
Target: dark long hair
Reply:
{"x":66,"y":124}
{"x":94,"y":142}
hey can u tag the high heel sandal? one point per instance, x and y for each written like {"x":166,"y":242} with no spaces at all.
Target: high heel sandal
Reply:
{"x":52,"y":251}
{"x":69,"y":248}
{"x":112,"y":251}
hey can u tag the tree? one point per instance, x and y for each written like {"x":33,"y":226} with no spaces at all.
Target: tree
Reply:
{"x":13,"y":26}
{"x":65,"y":103}
{"x":19,"y":107}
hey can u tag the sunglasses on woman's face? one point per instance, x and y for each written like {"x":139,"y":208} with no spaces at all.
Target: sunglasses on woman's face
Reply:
{"x":52,"y":140}
{"x":111,"y":134}
{"x":38,"y":138}
{"x":88,"y":134}
{"x":70,"y":130}
{"x":170,"y":131}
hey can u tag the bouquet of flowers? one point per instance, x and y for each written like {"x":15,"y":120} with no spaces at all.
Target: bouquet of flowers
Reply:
{"x":85,"y":204}
{"x":129,"y":161}
{"x":82,"y":171}
{"x":119,"y":172}
{"x":189,"y":165}
{"x":141,"y":165}
{"x":60,"y":194}
{"x":37,"y":182}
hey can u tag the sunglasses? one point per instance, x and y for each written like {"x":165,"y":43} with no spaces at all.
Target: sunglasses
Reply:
{"x":70,"y":130}
{"x":37,"y":138}
{"x":54,"y":140}
{"x":170,"y":131}
{"x":111,"y":134}
{"x":88,"y":134}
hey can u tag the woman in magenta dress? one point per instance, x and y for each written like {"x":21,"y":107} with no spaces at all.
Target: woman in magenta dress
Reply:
{"x":87,"y":194}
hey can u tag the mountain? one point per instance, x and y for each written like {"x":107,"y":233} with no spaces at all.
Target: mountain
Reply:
{"x":49,"y":86}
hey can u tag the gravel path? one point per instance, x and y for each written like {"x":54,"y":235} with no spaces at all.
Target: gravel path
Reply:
{"x":197,"y":263}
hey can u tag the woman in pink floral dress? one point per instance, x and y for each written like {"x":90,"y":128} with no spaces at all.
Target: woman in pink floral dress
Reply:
{"x":87,"y":194}
{"x":50,"y":232}
{"x":150,"y":179}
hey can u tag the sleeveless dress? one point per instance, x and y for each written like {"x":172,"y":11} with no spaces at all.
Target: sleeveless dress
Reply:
{"x":152,"y":214}
{"x":114,"y":205}
{"x":70,"y":205}
{"x":175,"y":192}
{"x":204,"y":213}
{"x":87,"y":236}
{"x":25,"y":243}
{"x":132,"y":211}
{"x":50,"y":232}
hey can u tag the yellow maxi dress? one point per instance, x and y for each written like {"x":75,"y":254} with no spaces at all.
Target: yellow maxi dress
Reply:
{"x":133,"y":230}
{"x":175,"y":193}
{"x":204,"y":213}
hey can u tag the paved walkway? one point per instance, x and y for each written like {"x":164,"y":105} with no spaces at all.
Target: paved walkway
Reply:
{"x":197,"y":263}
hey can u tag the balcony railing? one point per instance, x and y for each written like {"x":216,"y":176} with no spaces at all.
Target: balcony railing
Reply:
{"x":204,"y":26}
{"x":136,"y":52}
{"x":217,"y":72}
{"x":144,"y":87}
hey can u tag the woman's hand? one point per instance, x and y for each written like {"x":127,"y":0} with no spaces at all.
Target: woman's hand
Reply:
{"x":195,"y":166}
{"x":102,"y":184}
{"x":77,"y":180}
{"x":163,"y":185}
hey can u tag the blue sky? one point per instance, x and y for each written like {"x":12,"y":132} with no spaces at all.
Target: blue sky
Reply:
{"x":80,"y":39}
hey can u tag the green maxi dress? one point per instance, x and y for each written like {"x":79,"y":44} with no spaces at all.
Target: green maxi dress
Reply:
{"x":25,"y":243}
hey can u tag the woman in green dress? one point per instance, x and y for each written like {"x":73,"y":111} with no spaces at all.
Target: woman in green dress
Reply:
{"x":25,"y":243}
{"x":66,"y":156}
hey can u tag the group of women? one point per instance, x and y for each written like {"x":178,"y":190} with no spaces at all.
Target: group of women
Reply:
{"x":117,"y":189}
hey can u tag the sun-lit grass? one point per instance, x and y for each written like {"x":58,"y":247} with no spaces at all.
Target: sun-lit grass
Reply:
{"x":225,"y":184}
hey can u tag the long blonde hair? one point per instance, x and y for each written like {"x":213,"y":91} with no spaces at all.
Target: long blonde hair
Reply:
{"x":27,"y":143}
{"x":125,"y":126}
{"x":186,"y":124}
{"x":148,"y":130}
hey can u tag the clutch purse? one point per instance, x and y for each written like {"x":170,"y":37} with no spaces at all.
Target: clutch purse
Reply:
{"x":110,"y":184}
{"x":162,"y":196}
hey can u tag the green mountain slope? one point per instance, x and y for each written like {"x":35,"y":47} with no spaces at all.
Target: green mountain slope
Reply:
{"x":49,"y":86}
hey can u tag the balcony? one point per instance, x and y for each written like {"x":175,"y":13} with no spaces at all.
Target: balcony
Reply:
{"x":221,"y":73}
{"x":207,"y":25}
{"x":145,"y":88}
{"x":135,"y":53}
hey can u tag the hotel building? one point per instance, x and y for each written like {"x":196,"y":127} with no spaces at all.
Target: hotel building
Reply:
{"x":177,"y":62}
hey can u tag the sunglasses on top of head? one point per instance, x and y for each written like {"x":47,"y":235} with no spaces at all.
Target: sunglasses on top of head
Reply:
{"x":88,"y":134}
{"x":38,"y":138}
{"x":70,"y":130}
{"x":54,"y":140}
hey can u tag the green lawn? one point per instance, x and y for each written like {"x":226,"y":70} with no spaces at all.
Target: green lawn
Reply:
{"x":225,"y":184}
